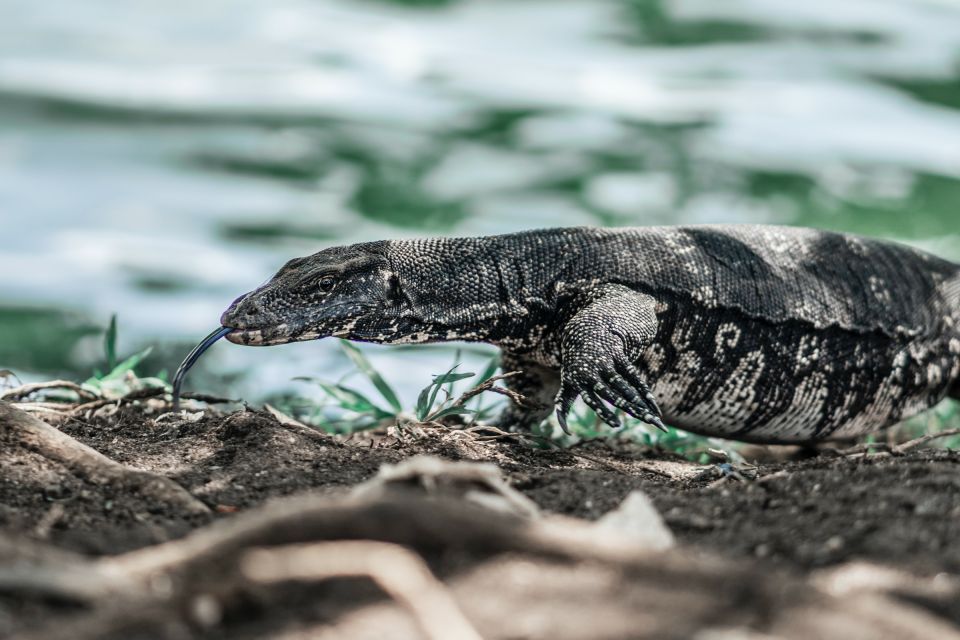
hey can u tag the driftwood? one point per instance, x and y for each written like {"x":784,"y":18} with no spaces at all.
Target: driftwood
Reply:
{"x":18,"y":428}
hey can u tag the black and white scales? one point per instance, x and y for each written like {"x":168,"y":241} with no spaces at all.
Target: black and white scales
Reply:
{"x":761,"y":333}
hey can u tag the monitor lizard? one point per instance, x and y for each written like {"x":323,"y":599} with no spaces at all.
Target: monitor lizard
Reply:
{"x":751,"y":332}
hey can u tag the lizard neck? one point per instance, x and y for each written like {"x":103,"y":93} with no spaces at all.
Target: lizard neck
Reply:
{"x":474,"y":289}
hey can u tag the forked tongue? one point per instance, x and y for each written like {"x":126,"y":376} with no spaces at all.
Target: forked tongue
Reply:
{"x":191,"y":358}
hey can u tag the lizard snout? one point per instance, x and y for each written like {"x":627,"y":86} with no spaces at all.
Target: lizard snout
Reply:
{"x":244,"y":313}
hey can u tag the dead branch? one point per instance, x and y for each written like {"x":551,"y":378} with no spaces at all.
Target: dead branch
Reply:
{"x":922,"y":440}
{"x":22,"y":429}
{"x":885,"y":449}
{"x":189,"y":581}
{"x":132,"y":396}
{"x":486,"y":385}
{"x":296,"y":426}
{"x":400,"y":573}
{"x":50,"y":408}
{"x":478,"y":482}
{"x":24,"y":390}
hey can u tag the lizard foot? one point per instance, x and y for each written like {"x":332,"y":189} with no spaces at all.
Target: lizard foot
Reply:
{"x":610,"y":380}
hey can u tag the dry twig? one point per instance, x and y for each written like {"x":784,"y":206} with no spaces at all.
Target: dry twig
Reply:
{"x":24,"y":390}
{"x":922,"y":440}
{"x":885,"y":449}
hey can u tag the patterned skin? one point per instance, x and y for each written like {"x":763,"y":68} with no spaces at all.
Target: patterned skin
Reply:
{"x":758,"y":333}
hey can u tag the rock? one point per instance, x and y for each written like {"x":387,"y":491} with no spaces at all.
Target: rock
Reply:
{"x":637,"y":518}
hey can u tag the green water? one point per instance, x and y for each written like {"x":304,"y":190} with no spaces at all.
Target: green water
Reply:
{"x":157,"y":160}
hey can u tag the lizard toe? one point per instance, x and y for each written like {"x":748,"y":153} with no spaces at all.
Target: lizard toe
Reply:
{"x":623,"y":396}
{"x":626,"y":397}
{"x":632,"y":378}
{"x":608,"y":415}
{"x":565,"y":399}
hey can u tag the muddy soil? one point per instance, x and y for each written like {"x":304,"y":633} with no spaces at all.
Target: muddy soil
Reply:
{"x":773,"y":527}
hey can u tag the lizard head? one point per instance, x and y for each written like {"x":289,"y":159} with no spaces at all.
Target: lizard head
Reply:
{"x":348,"y":292}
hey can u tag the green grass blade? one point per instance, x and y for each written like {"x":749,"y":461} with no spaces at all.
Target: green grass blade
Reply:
{"x":121,"y":369}
{"x":449,"y":378}
{"x":352,"y":400}
{"x":110,"y":343}
{"x":423,"y":406}
{"x":361,"y":362}
{"x":456,"y":361}
{"x":491,"y":369}
{"x":437,"y":384}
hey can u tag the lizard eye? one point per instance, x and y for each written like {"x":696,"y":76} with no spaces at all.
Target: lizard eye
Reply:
{"x":326,"y":283}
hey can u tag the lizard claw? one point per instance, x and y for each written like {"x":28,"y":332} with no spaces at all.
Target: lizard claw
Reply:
{"x":565,"y":400}
{"x":616,"y":383}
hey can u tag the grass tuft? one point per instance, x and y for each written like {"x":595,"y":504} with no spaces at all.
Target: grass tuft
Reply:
{"x":121,"y":377}
{"x":347,"y":410}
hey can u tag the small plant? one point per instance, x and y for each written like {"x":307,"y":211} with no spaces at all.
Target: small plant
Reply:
{"x":120,"y":378}
{"x":358,"y":411}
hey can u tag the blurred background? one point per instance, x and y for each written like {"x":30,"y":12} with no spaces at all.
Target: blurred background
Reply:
{"x":157,"y":159}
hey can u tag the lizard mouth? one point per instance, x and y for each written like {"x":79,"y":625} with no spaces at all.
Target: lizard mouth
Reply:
{"x":249,"y":337}
{"x":267,"y":336}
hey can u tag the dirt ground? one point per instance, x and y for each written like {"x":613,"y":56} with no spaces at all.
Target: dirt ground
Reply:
{"x":823,"y":546}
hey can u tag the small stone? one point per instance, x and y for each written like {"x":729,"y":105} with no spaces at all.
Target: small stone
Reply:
{"x":927,"y":508}
{"x":206,"y":610}
{"x":834,"y":543}
{"x":637,"y":518}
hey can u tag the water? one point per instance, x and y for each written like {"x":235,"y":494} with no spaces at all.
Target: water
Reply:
{"x":158,"y":159}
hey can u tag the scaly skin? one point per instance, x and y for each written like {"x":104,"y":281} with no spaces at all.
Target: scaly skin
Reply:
{"x":760,"y":333}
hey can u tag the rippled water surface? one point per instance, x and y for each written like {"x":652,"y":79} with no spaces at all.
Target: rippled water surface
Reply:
{"x":158,"y":159}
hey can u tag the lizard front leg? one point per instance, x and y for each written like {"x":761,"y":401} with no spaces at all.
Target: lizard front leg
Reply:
{"x":601,"y":344}
{"x":535,"y":382}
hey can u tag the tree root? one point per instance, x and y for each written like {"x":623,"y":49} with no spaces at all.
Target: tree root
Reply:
{"x":22,"y":429}
{"x":924,"y":439}
{"x":177,"y":588}
{"x":163,"y":583}
{"x":189,"y":583}
{"x":477,"y":482}
{"x":885,"y":449}
{"x":24,"y":390}
{"x":403,"y":575}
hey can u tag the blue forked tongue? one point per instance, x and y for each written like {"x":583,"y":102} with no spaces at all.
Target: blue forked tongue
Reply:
{"x":191,"y":358}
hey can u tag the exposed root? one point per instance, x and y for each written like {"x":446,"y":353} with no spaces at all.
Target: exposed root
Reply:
{"x":886,"y":449}
{"x":177,"y":588}
{"x":19,"y":428}
{"x":88,"y":400}
{"x":477,"y":482}
{"x":133,"y":396}
{"x":400,"y":573}
{"x":142,"y":394}
{"x":25,"y":390}
{"x":922,"y":440}
{"x":49,"y":408}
